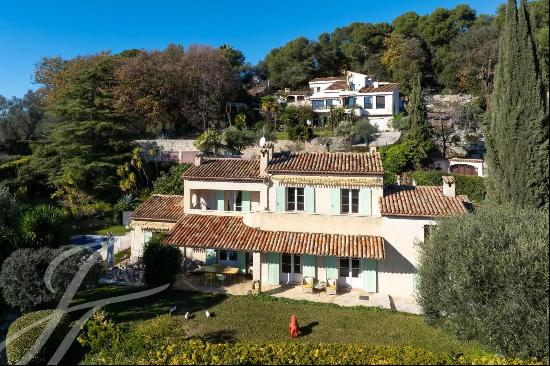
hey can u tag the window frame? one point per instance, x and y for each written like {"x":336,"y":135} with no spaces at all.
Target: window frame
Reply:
{"x":293,"y":195}
{"x":368,"y":105}
{"x":349,"y":201}
{"x":381,"y":97}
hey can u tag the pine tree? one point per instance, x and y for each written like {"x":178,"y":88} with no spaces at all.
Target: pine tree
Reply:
{"x":517,"y":130}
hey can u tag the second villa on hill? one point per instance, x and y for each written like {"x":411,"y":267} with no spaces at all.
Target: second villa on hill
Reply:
{"x":356,"y":93}
{"x":289,"y":215}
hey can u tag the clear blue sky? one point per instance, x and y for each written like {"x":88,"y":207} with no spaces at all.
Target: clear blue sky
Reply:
{"x":32,"y":29}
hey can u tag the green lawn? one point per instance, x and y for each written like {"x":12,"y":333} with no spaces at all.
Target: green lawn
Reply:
{"x":261,"y":319}
{"x":115,"y":229}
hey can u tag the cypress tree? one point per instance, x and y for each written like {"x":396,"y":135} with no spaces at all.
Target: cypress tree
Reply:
{"x":418,"y":118}
{"x":517,"y":128}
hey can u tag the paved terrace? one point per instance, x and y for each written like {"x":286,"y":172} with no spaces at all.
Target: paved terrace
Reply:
{"x":243,"y":286}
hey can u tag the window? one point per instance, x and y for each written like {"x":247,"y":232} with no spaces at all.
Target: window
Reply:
{"x":295,"y":199}
{"x":290,"y":263}
{"x":351,"y":86}
{"x":380,"y":102}
{"x":349,"y":267}
{"x":317,"y":103}
{"x":349,"y":201}
{"x":226,"y":255}
{"x":355,"y":267}
{"x":239,"y":201}
{"x":297,"y":267}
{"x":351,"y":102}
{"x":329,"y":103}
{"x":286,"y":263}
{"x":344,"y":267}
{"x":368,"y":102}
{"x":318,"y":89}
{"x":300,"y":98}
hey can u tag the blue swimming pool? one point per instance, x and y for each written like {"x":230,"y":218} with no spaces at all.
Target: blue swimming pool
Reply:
{"x":88,"y":239}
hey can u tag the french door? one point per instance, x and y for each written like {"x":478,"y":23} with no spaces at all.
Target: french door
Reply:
{"x":291,"y":268}
{"x":349,"y":271}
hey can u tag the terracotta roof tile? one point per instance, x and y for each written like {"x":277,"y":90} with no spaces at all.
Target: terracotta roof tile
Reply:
{"x":159,"y":207}
{"x":384,"y":88}
{"x":339,"y":85}
{"x":327,"y":162}
{"x":329,"y":78}
{"x":225,"y":169}
{"x":229,"y":232}
{"x":420,"y":201}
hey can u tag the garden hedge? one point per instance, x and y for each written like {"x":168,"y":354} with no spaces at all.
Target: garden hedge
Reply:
{"x":472,"y":186}
{"x":197,"y":352}
{"x":17,"y":348}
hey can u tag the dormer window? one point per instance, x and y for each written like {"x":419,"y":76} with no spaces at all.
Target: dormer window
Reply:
{"x":294,"y":199}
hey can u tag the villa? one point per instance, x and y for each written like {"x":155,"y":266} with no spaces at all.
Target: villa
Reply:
{"x":286,"y":216}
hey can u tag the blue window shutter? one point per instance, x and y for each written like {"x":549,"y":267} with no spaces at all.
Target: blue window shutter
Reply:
{"x":241,"y":261}
{"x":246,"y":201}
{"x":308,"y":266}
{"x":309,"y":193}
{"x":335,"y":200}
{"x":365,"y":201}
{"x":272,"y":268}
{"x":220,"y":201}
{"x":281,"y":199}
{"x":369,"y":275}
{"x":331,"y":264}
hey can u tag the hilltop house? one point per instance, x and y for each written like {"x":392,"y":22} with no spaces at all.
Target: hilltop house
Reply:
{"x":357,"y":93}
{"x":289,"y":215}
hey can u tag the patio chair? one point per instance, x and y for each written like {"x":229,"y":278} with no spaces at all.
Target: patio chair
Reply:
{"x":308,"y":284}
{"x":209,"y":277}
{"x":332,"y":286}
{"x":220,"y":277}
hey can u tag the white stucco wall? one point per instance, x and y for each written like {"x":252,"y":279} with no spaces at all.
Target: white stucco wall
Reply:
{"x":395,"y":272}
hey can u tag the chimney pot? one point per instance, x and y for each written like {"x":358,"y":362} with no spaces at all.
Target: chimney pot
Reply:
{"x":198,"y":159}
{"x":449,"y":186}
{"x":266,"y":155}
{"x":373,"y":149}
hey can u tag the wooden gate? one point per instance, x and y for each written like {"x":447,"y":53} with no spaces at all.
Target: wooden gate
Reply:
{"x":463,"y":169}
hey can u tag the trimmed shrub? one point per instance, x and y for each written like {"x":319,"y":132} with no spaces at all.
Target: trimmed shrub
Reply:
{"x":485,"y":276}
{"x":472,"y":186}
{"x":22,"y":276}
{"x":18,"y":347}
{"x":162,"y":262}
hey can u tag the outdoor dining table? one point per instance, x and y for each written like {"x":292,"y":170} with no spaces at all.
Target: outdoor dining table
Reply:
{"x":217,"y":269}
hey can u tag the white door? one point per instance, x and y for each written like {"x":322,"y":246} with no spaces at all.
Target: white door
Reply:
{"x":227,"y":258}
{"x":349,"y":272}
{"x":291,"y":268}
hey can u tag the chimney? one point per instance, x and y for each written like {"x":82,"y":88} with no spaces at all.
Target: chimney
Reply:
{"x":375,"y":84}
{"x":266,"y":155}
{"x":449,"y":186}
{"x":198,"y":159}
{"x":373,"y":149}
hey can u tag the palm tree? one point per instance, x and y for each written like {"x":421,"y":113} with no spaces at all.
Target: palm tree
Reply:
{"x":268,"y":107}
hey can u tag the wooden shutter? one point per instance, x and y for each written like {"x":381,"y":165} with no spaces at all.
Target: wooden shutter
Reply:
{"x":281,"y":199}
{"x":220,"y":202}
{"x":331,"y":264}
{"x":245,"y":196}
{"x":369,"y":275}
{"x":309,"y":197}
{"x":365,"y":201}
{"x":272,"y":268}
{"x":308,"y":266}
{"x":335,"y":201}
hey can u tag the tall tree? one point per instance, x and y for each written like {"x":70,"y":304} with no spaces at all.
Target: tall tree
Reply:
{"x":517,"y":131}
{"x":418,"y":119}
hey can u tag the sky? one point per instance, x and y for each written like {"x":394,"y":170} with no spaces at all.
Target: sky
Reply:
{"x":32,"y":29}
